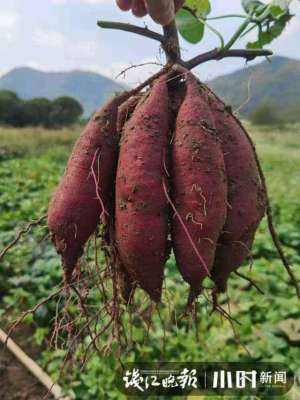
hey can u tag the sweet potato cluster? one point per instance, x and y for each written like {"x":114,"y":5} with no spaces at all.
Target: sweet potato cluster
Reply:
{"x":171,"y":168}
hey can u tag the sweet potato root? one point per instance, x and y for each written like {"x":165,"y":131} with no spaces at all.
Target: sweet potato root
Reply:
{"x":141,"y":207}
{"x":198,"y":188}
{"x":84,"y":191}
{"x":125,"y":111}
{"x":125,"y":282}
{"x":246,"y":200}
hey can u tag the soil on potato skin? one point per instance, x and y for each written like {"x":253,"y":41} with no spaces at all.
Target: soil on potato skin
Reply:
{"x":16,"y":382}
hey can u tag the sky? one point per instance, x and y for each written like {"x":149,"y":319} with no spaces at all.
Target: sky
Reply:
{"x":62,"y":35}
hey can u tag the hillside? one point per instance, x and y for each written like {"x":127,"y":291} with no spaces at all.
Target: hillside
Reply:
{"x":90,"y":88}
{"x":276,"y":83}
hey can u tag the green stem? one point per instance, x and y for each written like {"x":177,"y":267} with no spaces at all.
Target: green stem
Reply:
{"x":214,"y":31}
{"x":203,"y":21}
{"x":264,"y":14}
{"x":237,"y":34}
{"x":248,"y":30}
{"x":227,"y":16}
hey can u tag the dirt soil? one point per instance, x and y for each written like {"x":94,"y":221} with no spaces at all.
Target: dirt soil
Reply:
{"x":16,"y":382}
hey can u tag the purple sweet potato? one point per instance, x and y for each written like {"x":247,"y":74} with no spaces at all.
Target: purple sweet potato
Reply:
{"x":125,"y":111}
{"x":141,"y":206}
{"x":198,"y":187}
{"x":246,"y":199}
{"x":84,"y":192}
{"x":125,"y":282}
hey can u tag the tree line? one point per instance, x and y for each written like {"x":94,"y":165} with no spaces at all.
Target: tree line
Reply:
{"x":40,"y":111}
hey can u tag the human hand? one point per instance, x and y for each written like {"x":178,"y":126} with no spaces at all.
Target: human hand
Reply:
{"x":161,"y":11}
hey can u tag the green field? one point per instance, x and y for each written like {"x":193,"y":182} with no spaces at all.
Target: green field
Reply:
{"x":31,"y":162}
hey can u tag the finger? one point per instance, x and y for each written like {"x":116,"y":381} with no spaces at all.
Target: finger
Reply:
{"x":178,"y":4}
{"x":138,"y":8}
{"x":124,"y":5}
{"x":162,"y":12}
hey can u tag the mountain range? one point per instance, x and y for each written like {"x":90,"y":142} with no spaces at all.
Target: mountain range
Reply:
{"x":89,"y":88}
{"x":276,"y":83}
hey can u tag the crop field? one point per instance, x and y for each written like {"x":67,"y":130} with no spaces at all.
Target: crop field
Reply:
{"x":31,"y":163}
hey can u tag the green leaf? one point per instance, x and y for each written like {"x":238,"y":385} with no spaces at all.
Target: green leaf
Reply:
{"x":201,"y":8}
{"x":279,"y":7}
{"x":190,"y":28}
{"x":40,"y":335}
{"x":275,"y":11}
{"x":283,"y":4}
{"x":272,"y":32}
{"x":250,"y":5}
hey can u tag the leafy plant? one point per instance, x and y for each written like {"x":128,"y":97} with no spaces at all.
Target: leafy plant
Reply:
{"x":269,"y":19}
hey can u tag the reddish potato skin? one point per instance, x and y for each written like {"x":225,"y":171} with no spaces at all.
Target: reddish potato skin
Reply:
{"x":198,"y":186}
{"x":74,"y":211}
{"x":246,"y":199}
{"x":125,"y":283}
{"x":141,"y":206}
{"x":125,"y":111}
